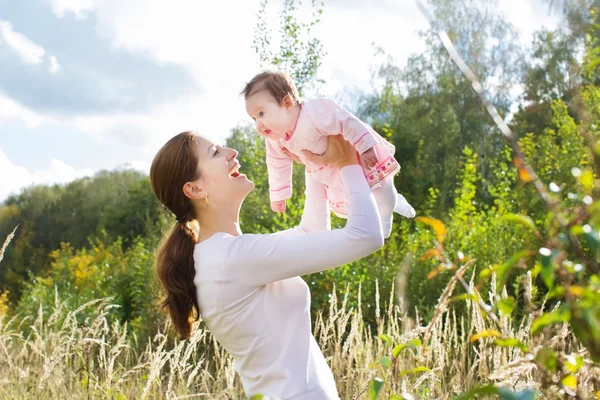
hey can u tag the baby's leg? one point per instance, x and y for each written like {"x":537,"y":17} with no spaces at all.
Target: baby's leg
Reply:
{"x":386,"y":198}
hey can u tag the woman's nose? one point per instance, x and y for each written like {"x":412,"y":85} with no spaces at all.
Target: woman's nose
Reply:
{"x":233,"y":154}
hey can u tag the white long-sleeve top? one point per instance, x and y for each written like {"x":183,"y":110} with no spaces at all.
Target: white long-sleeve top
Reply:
{"x":254,"y":302}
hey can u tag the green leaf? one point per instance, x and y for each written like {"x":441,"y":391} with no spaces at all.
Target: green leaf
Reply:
{"x":556,"y":292}
{"x":506,"y":305}
{"x":485,"y":273}
{"x":524,"y":220}
{"x":561,"y":314}
{"x":463,"y":296}
{"x":414,"y":371}
{"x":375,"y":387}
{"x":512,"y":342}
{"x":408,"y":345}
{"x":548,"y":358}
{"x":387,"y":339}
{"x":385,"y":361}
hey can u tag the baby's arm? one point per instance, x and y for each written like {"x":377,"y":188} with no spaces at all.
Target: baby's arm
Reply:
{"x":279,"y":168}
{"x":316,"y":213}
{"x":331,"y":119}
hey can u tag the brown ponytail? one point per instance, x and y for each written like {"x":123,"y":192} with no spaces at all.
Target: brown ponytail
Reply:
{"x":175,"y":164}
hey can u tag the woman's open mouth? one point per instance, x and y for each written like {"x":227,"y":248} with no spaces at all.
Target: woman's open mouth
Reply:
{"x":235,"y":171}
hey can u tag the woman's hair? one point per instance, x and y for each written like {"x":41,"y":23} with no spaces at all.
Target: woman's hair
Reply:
{"x":175,"y":164}
{"x":278,"y":84}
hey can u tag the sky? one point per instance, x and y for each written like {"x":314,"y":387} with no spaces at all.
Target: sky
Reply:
{"x":89,"y":85}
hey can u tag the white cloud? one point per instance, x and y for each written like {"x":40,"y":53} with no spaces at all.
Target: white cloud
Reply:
{"x":212,"y":41}
{"x":16,"y":177}
{"x":79,"y":8}
{"x":11,"y":109}
{"x":30,"y":52}
{"x":141,"y":166}
{"x":350,"y":34}
{"x":212,"y":117}
{"x":54,"y":65}
{"x":529,"y":16}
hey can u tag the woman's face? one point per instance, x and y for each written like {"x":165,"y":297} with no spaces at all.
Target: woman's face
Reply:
{"x":220,"y":178}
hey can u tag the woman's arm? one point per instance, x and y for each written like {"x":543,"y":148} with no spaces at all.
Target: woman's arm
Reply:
{"x":261,"y":259}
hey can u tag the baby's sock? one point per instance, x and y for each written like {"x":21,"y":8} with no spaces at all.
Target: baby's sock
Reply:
{"x":403,"y":208}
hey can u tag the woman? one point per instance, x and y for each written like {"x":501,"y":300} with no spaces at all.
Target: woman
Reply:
{"x":246,"y":287}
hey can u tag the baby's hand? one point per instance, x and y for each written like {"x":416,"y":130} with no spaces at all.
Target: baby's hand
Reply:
{"x":292,"y":155}
{"x":278,"y":206}
{"x":369,"y":158}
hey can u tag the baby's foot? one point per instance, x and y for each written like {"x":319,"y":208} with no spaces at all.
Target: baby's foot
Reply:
{"x":403,"y":208}
{"x":386,"y":227}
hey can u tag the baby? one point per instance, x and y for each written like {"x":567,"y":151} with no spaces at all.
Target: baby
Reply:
{"x":290,"y":126}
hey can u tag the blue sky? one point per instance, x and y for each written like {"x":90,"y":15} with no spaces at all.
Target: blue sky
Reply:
{"x":87,"y":85}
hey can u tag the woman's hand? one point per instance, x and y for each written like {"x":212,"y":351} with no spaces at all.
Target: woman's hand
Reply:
{"x":339,"y":152}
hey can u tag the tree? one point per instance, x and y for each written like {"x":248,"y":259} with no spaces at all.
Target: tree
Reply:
{"x":430,"y":110}
{"x":554,"y":69}
{"x":298,"y":53}
{"x":110,"y":204}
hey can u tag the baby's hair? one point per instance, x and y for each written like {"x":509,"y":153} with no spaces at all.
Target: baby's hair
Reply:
{"x":278,"y":84}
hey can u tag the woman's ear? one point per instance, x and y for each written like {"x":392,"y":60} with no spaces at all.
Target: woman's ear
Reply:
{"x":193,"y":191}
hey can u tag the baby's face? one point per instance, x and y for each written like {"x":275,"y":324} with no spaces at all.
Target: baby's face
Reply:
{"x":272,"y":119}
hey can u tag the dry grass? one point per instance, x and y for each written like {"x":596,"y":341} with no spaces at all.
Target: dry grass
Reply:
{"x":61,"y":357}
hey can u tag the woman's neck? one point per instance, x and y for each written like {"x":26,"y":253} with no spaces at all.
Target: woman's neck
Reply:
{"x":213,"y":222}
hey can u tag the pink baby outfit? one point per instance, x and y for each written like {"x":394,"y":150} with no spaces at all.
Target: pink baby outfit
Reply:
{"x":318,"y":119}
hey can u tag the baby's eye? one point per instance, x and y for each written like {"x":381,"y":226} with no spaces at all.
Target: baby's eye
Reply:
{"x":261,"y":114}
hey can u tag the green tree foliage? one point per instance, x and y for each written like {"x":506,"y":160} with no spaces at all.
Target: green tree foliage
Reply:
{"x":100,"y":271}
{"x":112,"y":204}
{"x":295,"y":50}
{"x":428,"y":108}
{"x":553,"y":70}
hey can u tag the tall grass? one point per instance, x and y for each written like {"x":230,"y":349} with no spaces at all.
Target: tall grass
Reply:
{"x":61,"y":356}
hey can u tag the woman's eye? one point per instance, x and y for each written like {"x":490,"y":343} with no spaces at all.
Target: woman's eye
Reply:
{"x":216,"y":152}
